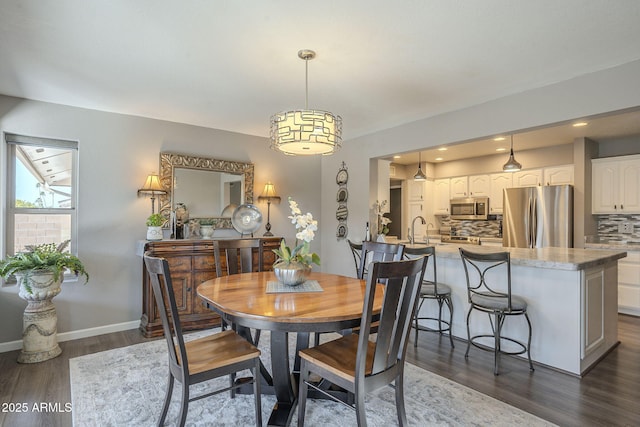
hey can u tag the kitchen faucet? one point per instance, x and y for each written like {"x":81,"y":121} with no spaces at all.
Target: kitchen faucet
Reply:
{"x":412,"y":238}
{"x":428,"y":225}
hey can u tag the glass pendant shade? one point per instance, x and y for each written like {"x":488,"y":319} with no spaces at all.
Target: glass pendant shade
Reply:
{"x":306,"y":132}
{"x":420,"y":176}
{"x":512,"y":164}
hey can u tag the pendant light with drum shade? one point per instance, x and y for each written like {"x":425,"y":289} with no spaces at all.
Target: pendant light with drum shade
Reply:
{"x":306,"y":132}
{"x":512,"y":165}
{"x":420,"y":176}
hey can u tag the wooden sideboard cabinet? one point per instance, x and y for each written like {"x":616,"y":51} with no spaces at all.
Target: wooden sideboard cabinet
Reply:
{"x":191,"y":262}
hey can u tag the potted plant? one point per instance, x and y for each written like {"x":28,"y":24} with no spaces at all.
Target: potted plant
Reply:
{"x":39,"y":272}
{"x":154,"y":226}
{"x":293,"y":266}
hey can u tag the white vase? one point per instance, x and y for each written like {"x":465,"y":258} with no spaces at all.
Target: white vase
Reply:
{"x":206,"y":231}
{"x":154,"y":233}
{"x":40,"y":320}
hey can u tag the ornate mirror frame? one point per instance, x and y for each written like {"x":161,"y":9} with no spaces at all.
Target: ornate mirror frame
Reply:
{"x":170,"y":161}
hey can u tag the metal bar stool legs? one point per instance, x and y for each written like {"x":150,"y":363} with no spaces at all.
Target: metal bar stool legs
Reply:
{"x":443,"y":325}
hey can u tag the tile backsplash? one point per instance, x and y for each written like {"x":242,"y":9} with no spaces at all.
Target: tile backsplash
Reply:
{"x":490,"y":228}
{"x":609,"y":227}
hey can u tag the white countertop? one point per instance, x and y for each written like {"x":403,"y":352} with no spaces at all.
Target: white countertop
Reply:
{"x":553,"y":258}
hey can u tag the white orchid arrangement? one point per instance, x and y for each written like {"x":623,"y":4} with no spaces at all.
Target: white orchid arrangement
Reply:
{"x":383,"y":222}
{"x":306,"y":227}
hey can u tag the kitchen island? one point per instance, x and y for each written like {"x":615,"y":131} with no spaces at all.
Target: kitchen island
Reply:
{"x":571,"y":295}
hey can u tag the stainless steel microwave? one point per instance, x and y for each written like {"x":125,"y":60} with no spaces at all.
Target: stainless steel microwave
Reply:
{"x":474,"y":208}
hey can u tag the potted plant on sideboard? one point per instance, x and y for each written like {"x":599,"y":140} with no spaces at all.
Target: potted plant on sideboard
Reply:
{"x":154,"y":226}
{"x":39,"y":272}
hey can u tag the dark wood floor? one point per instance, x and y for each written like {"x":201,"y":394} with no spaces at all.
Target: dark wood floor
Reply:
{"x":609,"y":395}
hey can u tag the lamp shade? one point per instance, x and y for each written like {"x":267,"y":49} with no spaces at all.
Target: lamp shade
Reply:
{"x":306,"y":132}
{"x":152,"y":185}
{"x":269,"y":193}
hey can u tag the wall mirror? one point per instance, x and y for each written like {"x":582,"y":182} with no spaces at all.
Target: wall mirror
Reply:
{"x":205,"y":185}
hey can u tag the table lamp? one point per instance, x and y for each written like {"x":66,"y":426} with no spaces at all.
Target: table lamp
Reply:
{"x":269,"y":194}
{"x":152,"y":186}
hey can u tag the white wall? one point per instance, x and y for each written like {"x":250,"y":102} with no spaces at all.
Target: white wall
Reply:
{"x":605,"y":91}
{"x":116,"y":152}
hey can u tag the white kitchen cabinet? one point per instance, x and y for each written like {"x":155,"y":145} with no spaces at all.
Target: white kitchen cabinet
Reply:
{"x":629,"y":284}
{"x":558,"y":175}
{"x":527,"y":178}
{"x":499,"y":181}
{"x":479,"y":185}
{"x":442,"y":196}
{"x":459,"y":187}
{"x":616,"y":185}
{"x":416,"y":190}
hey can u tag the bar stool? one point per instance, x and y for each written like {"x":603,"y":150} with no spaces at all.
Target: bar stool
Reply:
{"x":432,"y":290}
{"x":484,"y":298}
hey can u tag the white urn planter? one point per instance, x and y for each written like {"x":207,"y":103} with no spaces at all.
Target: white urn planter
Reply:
{"x":154,"y":233}
{"x":40,"y":320}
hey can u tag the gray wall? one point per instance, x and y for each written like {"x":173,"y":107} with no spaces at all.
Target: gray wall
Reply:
{"x":116,"y":152}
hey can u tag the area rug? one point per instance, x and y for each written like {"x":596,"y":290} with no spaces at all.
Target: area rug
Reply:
{"x":125,"y":387}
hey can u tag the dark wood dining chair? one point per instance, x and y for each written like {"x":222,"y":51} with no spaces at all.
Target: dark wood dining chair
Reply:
{"x":201,"y":359}
{"x":482,"y":270}
{"x":238,"y":257}
{"x":378,"y":251}
{"x":432,"y":290}
{"x":357,"y":364}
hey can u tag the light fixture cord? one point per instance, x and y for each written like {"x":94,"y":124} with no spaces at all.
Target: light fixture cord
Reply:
{"x":306,"y":83}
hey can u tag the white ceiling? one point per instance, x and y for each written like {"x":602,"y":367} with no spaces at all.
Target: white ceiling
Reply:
{"x":232,"y":64}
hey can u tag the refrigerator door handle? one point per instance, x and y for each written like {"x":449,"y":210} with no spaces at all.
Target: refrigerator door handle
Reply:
{"x":527,"y":224}
{"x":534,"y":224}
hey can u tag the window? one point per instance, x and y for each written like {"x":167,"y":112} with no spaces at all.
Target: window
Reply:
{"x":41,"y":192}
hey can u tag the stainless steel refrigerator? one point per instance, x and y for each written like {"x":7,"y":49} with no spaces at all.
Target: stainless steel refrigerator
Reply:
{"x":538,"y":217}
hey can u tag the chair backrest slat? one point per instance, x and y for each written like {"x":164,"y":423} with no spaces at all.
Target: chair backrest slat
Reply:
{"x":238,"y":255}
{"x":376,"y":252}
{"x":160,"y":277}
{"x":403,"y":280}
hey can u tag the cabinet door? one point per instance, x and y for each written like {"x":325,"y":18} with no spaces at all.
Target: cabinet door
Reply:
{"x":459,"y":187}
{"x":479,"y":185}
{"x":605,"y":179}
{"x":630,"y":186}
{"x":416,"y":190}
{"x":499,"y":181}
{"x":442,"y":197}
{"x":629,"y":284}
{"x":558,"y":175}
{"x":528,"y":178}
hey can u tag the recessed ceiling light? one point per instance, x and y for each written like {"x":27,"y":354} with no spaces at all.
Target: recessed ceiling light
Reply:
{"x":500,"y":138}
{"x":580,"y":124}
{"x":396,"y":157}
{"x":439,"y":159}
{"x":442,"y":149}
{"x":501,"y":149}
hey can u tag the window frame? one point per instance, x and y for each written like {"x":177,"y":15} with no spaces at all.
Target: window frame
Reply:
{"x":13,"y":141}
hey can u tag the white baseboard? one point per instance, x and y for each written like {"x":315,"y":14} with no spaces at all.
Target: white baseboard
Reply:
{"x":74,"y":335}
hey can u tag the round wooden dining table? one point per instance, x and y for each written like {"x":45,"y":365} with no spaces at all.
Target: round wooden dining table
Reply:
{"x":243,"y":300}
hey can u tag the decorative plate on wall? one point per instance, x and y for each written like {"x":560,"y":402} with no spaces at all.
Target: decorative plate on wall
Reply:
{"x":342,"y":212}
{"x":342,"y":195}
